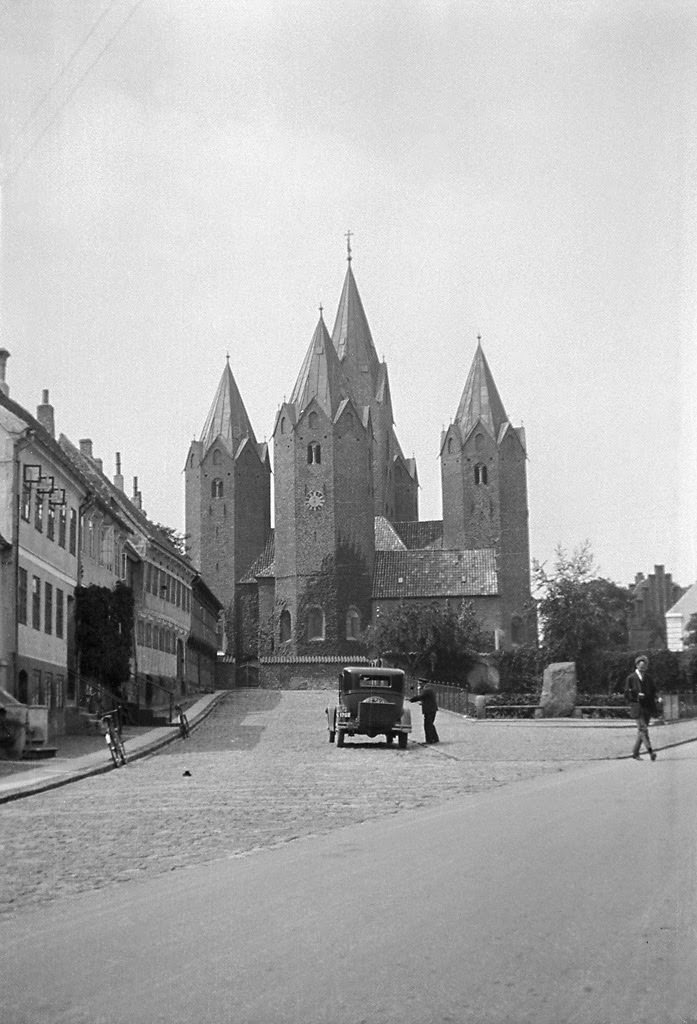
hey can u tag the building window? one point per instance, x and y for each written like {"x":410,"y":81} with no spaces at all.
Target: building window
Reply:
{"x":312,"y":420}
{"x":283,"y":424}
{"x":148,"y":634}
{"x":217,"y":488}
{"x":479,"y":442}
{"x":480,"y":474}
{"x":315,"y":624}
{"x":353,"y":624}
{"x":22,"y":597}
{"x":26,"y":503}
{"x":62,"y":521}
{"x":59,"y":613}
{"x":451,"y":445}
{"x":37,"y":688}
{"x":90,"y":539}
{"x":51,"y":522}
{"x":36,"y":602}
{"x":50,"y":697}
{"x":73,"y":531}
{"x":216,"y":457}
{"x":284,"y":628}
{"x":60,"y":691}
{"x":314,"y":454}
{"x":48,"y":608}
{"x":39,"y":514}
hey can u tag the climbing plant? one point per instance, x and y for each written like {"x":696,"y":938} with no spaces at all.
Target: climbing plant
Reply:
{"x":104,"y":632}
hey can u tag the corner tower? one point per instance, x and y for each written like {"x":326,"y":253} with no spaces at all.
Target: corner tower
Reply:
{"x":324,"y":523}
{"x":395,"y":483}
{"x":227,"y":495}
{"x":484,"y":485}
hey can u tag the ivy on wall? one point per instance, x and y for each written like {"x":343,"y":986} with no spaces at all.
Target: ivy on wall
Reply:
{"x":104,"y":632}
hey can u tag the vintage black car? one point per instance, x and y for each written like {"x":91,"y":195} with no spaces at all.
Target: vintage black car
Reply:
{"x":371,"y":703}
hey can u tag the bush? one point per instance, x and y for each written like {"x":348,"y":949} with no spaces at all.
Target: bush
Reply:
{"x":520,"y":670}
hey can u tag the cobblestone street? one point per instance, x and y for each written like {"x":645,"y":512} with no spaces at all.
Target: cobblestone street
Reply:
{"x":262,"y":772}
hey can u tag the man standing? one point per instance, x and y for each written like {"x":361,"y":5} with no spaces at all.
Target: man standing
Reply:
{"x":429,"y":706}
{"x":641,"y":694}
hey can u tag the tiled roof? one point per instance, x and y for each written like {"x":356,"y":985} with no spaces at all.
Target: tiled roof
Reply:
{"x":263,"y":566}
{"x":426,"y":534}
{"x":435,"y":574}
{"x":386,"y":539}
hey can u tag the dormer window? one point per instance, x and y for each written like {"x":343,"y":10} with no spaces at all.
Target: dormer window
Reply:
{"x":314,"y":454}
{"x":480,"y":474}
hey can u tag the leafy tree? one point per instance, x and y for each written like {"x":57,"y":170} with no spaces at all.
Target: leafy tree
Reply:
{"x":176,"y":539}
{"x":104,"y":632}
{"x":429,"y":639}
{"x":581,"y":614}
{"x":690,"y":638}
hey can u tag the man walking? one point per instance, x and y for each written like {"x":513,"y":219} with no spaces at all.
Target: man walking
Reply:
{"x":640,"y":691}
{"x":429,"y":706}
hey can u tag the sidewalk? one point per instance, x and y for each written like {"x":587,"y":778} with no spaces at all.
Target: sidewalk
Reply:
{"x":82,"y":756}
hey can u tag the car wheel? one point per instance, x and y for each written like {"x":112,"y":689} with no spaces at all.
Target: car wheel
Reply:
{"x":402,"y":741}
{"x":339,"y":737}
{"x":388,"y":738}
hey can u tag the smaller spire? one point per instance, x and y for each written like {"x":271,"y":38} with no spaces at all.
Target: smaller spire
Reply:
{"x":321,"y":311}
{"x":348,"y":245}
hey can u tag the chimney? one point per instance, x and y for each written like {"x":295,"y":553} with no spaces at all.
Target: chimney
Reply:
{"x":86,"y":447}
{"x":118,"y":478}
{"x":137,"y":496}
{"x":4,"y":356}
{"x":44,"y":414}
{"x":99,"y":464}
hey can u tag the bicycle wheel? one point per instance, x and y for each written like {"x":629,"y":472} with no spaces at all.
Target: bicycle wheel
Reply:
{"x":113,"y":752}
{"x":120,"y":750}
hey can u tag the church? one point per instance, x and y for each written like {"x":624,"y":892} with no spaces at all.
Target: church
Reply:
{"x":347,"y":545}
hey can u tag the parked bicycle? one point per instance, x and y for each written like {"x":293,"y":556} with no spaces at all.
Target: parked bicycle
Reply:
{"x":112,"y":736}
{"x":183,"y":721}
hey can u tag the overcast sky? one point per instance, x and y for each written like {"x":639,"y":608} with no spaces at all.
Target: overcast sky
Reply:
{"x":521,"y":170}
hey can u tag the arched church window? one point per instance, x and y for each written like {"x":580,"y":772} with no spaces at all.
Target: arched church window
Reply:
{"x":479,"y":442}
{"x":216,"y":457}
{"x":315,"y":624}
{"x":353,"y":624}
{"x":480,"y":474}
{"x":283,"y":424}
{"x":312,"y":420}
{"x":314,"y":454}
{"x":450,"y":446}
{"x":217,"y":488}
{"x":284,"y":626}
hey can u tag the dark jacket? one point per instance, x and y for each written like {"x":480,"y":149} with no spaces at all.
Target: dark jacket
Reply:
{"x":427,"y":699}
{"x":634,"y":686}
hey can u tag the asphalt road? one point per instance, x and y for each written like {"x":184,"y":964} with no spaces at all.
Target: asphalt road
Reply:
{"x":563,"y":896}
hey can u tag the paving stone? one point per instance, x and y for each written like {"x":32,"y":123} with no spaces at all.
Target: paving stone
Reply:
{"x":262,"y":772}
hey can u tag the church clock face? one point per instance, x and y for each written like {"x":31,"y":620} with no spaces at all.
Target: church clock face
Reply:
{"x":314,"y":501}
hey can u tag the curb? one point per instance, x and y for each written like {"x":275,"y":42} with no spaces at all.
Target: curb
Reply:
{"x":39,"y":785}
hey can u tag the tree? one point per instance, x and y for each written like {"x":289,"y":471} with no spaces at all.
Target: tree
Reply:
{"x":429,"y":639}
{"x":176,"y":539}
{"x":580,"y":613}
{"x":690,"y":637}
{"x":104,"y":632}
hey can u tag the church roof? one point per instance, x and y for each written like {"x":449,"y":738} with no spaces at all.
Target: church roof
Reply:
{"x":263,"y":567}
{"x":354,"y":343}
{"x":320,"y":375}
{"x":431,"y":574}
{"x":386,"y":537}
{"x":227,"y":417}
{"x":426,"y":534}
{"x":480,"y":400}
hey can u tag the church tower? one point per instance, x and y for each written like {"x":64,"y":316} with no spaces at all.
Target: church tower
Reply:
{"x":395,"y":482}
{"x":323,"y":500}
{"x":484,"y":484}
{"x":227,"y":496}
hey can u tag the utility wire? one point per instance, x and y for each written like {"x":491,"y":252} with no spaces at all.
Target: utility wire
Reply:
{"x":21,"y":159}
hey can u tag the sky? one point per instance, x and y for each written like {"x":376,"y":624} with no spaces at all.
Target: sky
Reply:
{"x":180,"y":175}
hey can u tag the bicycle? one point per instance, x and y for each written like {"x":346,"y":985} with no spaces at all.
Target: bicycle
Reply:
{"x":183,"y":722}
{"x":113,"y":739}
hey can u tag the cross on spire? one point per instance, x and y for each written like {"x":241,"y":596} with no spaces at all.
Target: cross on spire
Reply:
{"x":348,"y":244}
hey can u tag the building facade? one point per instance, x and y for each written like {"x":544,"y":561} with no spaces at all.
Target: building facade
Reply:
{"x":347,"y":542}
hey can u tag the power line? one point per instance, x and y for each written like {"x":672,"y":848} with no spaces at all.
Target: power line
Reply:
{"x":21,"y":159}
